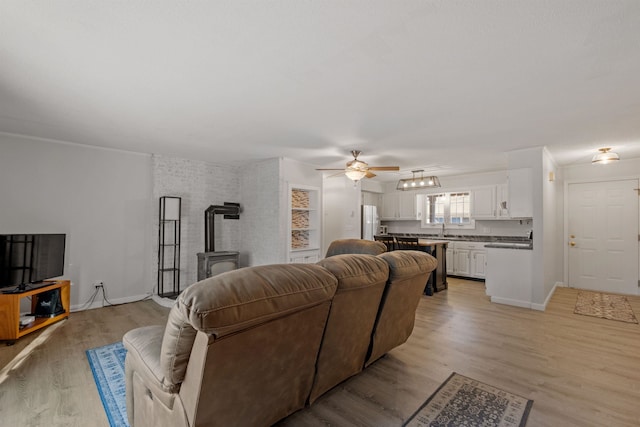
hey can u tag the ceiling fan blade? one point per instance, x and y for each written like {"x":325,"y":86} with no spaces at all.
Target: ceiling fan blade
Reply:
{"x":370,"y":174}
{"x":330,"y":170}
{"x":384,"y":168}
{"x":336,"y":174}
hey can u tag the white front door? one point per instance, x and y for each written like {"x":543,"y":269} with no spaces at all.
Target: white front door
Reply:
{"x":603,"y":236}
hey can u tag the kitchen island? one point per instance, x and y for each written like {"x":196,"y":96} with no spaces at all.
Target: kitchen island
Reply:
{"x":438,"y":279}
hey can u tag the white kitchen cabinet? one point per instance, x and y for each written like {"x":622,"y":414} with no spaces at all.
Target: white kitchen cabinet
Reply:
{"x":450,"y":258}
{"x":483,"y":204}
{"x":400,"y":206}
{"x":304,"y":257}
{"x":502,"y":199}
{"x":467,"y":259}
{"x":389,"y":206}
{"x":491,"y":202}
{"x":520,"y":193}
{"x":478,"y":260}
{"x":461,"y":266}
{"x":409,"y":207}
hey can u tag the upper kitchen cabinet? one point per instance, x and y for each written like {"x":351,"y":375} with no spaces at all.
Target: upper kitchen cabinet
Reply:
{"x":491,"y":202}
{"x":389,"y":207}
{"x":483,"y":205}
{"x":520,"y":185}
{"x":400,"y":206}
{"x":304,"y":224}
{"x":502,"y":197}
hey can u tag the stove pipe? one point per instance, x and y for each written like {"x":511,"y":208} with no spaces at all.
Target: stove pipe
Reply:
{"x":229,"y":210}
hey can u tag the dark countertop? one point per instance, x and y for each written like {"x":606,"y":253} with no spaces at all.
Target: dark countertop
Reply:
{"x":432,"y":242}
{"x":463,"y":238}
{"x":507,"y":245}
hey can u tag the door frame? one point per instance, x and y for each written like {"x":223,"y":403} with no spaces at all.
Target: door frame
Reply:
{"x":565,"y":226}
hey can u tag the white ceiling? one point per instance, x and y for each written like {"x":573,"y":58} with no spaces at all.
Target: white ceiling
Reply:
{"x":444,"y":85}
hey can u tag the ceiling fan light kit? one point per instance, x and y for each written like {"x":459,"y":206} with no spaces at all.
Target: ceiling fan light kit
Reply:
{"x":604,"y":156}
{"x":355,"y":174}
{"x":414,"y":183}
{"x":357,"y":169}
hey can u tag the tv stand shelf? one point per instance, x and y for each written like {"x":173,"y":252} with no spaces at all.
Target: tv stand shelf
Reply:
{"x":10,"y":329}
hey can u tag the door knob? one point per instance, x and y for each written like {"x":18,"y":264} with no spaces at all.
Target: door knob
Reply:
{"x":572,"y":243}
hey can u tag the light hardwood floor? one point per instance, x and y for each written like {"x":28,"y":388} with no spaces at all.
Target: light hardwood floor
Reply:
{"x":580,"y":371}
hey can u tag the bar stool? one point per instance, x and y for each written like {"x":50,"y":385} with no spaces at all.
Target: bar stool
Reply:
{"x":389,"y":241}
{"x":408,"y":243}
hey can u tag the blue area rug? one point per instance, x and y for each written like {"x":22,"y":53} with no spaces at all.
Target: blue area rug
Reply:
{"x":107,"y":365}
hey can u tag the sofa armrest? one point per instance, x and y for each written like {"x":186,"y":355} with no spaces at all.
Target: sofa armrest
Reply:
{"x":143,"y":357}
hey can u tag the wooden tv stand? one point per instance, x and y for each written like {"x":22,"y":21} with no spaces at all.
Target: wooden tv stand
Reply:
{"x":10,"y":329}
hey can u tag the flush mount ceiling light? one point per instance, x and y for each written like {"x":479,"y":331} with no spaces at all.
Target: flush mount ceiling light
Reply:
{"x":414,"y":183}
{"x":605,"y":156}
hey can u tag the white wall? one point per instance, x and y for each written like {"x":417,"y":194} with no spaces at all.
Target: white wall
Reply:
{"x":547,"y":245}
{"x":100,"y":198}
{"x":341,"y":210}
{"x":552,"y":213}
{"x":260,"y":219}
{"x":532,"y":158}
{"x":372,"y":186}
{"x":629,"y":168}
{"x":264,"y":188}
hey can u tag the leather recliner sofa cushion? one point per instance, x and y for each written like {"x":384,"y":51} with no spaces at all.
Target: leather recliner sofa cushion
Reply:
{"x":361,"y":281}
{"x":355,"y":246}
{"x":408,"y":275}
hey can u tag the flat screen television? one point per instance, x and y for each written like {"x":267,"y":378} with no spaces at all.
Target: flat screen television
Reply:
{"x":28,"y":259}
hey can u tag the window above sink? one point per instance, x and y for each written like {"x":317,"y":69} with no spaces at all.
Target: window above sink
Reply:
{"x":447,"y":210}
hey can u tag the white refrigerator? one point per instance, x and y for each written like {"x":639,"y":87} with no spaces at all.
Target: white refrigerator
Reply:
{"x":370,"y":222}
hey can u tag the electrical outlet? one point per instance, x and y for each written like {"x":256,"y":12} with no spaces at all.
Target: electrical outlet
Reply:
{"x":99,"y":284}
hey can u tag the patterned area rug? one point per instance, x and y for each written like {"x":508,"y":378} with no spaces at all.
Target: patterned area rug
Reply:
{"x":462,"y":401}
{"x":107,"y":365}
{"x":606,"y":306}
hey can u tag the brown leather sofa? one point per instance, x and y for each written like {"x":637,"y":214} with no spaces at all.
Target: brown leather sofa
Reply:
{"x":251,"y":346}
{"x":355,"y":246}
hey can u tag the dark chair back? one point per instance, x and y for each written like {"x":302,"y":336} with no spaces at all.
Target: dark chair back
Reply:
{"x":408,"y":243}
{"x":355,"y":246}
{"x":389,"y":242}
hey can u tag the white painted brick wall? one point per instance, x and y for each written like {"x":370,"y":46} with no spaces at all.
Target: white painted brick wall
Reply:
{"x":200,"y":185}
{"x":262,"y":235}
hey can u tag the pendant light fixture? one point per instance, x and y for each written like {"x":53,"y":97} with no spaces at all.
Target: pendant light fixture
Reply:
{"x":605,"y":156}
{"x":415,"y":183}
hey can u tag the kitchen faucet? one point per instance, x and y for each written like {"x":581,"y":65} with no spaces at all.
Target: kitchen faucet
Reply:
{"x":442,"y":231}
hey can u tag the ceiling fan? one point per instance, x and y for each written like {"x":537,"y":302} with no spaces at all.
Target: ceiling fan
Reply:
{"x":357,"y":169}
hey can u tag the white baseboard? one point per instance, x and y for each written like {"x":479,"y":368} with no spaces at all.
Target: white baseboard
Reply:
{"x":543,"y":307}
{"x":99,"y":302}
{"x":164,"y":302}
{"x":514,"y":302}
{"x":528,"y":304}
